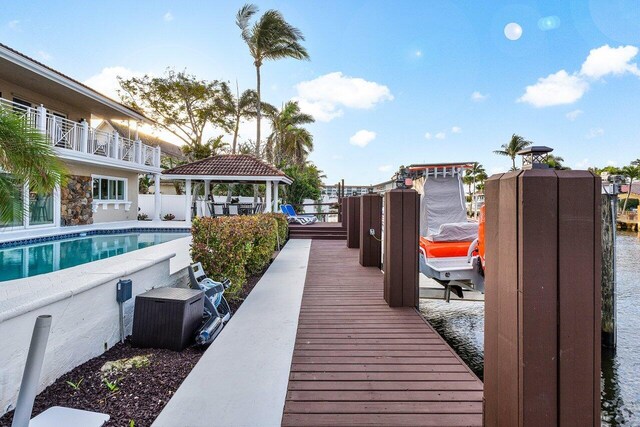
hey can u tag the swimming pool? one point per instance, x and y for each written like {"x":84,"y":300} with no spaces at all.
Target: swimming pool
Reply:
{"x":57,"y":253}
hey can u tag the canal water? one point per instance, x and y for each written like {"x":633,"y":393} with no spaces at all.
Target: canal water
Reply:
{"x":462,"y":325}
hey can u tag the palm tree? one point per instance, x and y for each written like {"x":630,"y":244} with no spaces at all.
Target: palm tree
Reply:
{"x":555,"y":162}
{"x":289,"y":143}
{"x":26,"y":155}
{"x":271,"y":37}
{"x":511,"y":149}
{"x":632,"y":172}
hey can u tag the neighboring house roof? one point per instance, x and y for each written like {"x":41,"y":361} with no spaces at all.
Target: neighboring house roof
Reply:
{"x":635,"y":188}
{"x":228,"y":165}
{"x":166,"y":148}
{"x":11,"y":55}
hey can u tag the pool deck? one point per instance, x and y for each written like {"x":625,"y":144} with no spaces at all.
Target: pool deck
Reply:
{"x":315,"y":344}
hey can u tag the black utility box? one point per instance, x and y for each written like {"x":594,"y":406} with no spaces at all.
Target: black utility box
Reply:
{"x":167,"y":318}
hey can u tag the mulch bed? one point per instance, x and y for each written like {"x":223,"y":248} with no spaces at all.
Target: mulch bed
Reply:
{"x":142,"y":392}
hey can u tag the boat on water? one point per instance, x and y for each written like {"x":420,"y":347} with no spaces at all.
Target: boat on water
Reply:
{"x":451,"y":244}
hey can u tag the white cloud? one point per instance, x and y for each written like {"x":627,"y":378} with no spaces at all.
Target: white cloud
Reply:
{"x":607,"y":60}
{"x":564,"y":88}
{"x":168,"y":17}
{"x":385,"y":168}
{"x":45,"y":56}
{"x":478,"y":97}
{"x":456,"y":129}
{"x":441,"y":135}
{"x":583,"y":164}
{"x":594,"y":133}
{"x":324,"y":96}
{"x":106,"y":82}
{"x":572,"y":115}
{"x":428,"y":135}
{"x":14,"y":25}
{"x":362,"y":138}
{"x":555,"y":89}
{"x":612,"y":163}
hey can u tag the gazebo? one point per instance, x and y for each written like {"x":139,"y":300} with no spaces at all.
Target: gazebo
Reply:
{"x":229,"y":169}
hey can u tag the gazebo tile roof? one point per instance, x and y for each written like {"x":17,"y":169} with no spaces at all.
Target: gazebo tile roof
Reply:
{"x":227,"y":165}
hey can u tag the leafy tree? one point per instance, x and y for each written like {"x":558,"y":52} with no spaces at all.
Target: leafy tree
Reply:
{"x":289,"y":143}
{"x":511,"y":149}
{"x":212,"y":147}
{"x":632,"y":172}
{"x":180,"y":103}
{"x":307,"y":183}
{"x":270,"y":38}
{"x":555,"y":162}
{"x":144,"y":182}
{"x":26,"y":155}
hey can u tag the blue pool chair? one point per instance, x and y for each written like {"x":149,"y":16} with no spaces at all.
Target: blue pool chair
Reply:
{"x":292,"y":213}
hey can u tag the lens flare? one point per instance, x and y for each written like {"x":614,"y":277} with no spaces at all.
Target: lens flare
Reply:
{"x":512,"y":31}
{"x":549,"y":23}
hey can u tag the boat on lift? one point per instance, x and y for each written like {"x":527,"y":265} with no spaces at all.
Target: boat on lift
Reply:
{"x":451,"y":245}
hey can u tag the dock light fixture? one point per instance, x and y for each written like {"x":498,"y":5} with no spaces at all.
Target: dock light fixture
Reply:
{"x":403,"y":181}
{"x":535,"y":157}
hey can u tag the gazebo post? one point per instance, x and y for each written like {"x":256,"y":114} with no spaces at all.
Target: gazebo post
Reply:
{"x":187,"y":198}
{"x":157,"y":197}
{"x":207,"y":184}
{"x":268,"y":207}
{"x":275,"y":196}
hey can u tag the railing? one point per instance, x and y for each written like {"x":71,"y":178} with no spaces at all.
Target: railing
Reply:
{"x":325,"y":212}
{"x":80,"y":137}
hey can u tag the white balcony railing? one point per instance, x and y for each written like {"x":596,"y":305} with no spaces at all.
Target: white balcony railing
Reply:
{"x":79,"y":136}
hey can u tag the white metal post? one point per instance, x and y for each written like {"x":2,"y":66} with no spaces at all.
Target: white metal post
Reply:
{"x":275,"y":197}
{"x":187,"y":198}
{"x":57,"y":206}
{"x":207,"y":184}
{"x":268,"y":206}
{"x":157,"y":197}
{"x":26,"y":208}
{"x":156,"y":160}
{"x":139,"y":158}
{"x":84,"y":136}
{"x":116,"y":145}
{"x":41,"y":123}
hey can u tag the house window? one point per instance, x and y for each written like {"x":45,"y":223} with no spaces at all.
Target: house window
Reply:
{"x":106,"y":188}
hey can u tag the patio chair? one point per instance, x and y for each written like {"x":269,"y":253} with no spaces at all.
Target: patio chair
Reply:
{"x":216,"y":209}
{"x":233,"y":209}
{"x":295,"y":218}
{"x":259,"y":208}
{"x":292,"y":213}
{"x":216,"y":309}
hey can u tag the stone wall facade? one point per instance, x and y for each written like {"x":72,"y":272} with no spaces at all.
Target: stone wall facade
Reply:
{"x":75,"y":200}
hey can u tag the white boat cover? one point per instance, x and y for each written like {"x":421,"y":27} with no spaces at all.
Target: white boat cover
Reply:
{"x":442,"y":202}
{"x":455,"y":232}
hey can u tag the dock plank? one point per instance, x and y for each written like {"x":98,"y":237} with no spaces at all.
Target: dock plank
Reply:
{"x":357,"y":361}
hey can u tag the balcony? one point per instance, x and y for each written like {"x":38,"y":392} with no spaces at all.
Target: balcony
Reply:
{"x":79,"y":137}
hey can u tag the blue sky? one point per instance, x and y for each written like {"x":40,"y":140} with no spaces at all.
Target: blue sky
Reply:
{"x":390,"y":82}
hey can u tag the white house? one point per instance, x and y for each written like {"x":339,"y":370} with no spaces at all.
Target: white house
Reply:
{"x":103,"y":166}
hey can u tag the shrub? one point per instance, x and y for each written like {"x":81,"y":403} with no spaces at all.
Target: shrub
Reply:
{"x":169,"y":217}
{"x":283,"y":226}
{"x":234,"y":247}
{"x":142,"y":217}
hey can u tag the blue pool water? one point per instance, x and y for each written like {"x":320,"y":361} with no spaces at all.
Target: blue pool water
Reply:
{"x":39,"y":258}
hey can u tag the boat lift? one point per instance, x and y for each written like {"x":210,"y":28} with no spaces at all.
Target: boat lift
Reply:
{"x":451,"y":246}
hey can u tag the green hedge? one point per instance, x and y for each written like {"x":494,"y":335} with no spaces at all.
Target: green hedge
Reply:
{"x":235,"y":247}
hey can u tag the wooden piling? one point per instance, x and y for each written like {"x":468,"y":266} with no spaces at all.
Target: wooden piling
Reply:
{"x":542,"y":301}
{"x":371,"y":219}
{"x":402,"y":228}
{"x":352,"y":205}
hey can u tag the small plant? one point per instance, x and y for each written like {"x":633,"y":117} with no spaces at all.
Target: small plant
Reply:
{"x":75,"y":386}
{"x":132,"y":423}
{"x":142,"y":217}
{"x":169,"y":217}
{"x":112,"y":386}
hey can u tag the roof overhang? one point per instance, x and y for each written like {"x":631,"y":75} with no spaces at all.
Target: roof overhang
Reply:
{"x":23,"y":71}
{"x":230,"y":178}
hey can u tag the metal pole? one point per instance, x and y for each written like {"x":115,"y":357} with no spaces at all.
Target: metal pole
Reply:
{"x":121,"y":312}
{"x":32,"y":370}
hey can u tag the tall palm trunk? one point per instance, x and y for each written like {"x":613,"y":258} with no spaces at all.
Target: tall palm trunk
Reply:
{"x":258,"y":117}
{"x":624,"y":207}
{"x":513,"y":161}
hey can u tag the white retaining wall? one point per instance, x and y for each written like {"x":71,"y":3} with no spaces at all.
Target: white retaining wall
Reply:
{"x":82,"y":303}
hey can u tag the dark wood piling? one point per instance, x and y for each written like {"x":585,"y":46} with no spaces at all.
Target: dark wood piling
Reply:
{"x":371,"y":219}
{"x":401,"y":228}
{"x":609,"y":207}
{"x":542,"y":304}
{"x":352,"y":205}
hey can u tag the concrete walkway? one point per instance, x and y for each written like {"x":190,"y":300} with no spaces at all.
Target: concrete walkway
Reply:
{"x":242,"y":379}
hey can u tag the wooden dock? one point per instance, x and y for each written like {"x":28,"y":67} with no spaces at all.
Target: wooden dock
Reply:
{"x":357,"y":361}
